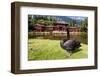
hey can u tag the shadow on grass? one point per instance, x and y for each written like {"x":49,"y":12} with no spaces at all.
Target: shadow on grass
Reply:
{"x":76,"y":50}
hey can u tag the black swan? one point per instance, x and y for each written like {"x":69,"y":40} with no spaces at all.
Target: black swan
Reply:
{"x":69,"y":44}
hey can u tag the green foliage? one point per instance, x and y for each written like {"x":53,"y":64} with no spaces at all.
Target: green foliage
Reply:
{"x":71,"y":24}
{"x":30,"y":26}
{"x":31,"y":34}
{"x":84,"y":37}
{"x":41,"y":21}
{"x":47,"y":20}
{"x":45,"y":49}
{"x":84,"y":25}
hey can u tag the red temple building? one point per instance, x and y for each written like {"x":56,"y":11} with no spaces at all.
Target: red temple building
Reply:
{"x":55,"y":27}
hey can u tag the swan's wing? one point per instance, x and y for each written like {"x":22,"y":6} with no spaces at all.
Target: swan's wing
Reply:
{"x":68,"y":43}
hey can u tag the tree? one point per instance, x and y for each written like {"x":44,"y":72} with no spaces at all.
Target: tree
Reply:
{"x":47,"y":20}
{"x":71,"y":23}
{"x":84,"y":25}
{"x":30,"y":24}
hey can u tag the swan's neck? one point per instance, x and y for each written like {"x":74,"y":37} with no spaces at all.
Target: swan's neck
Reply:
{"x":65,"y":39}
{"x":68,"y":34}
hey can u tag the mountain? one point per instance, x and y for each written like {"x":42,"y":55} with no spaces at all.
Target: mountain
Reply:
{"x":68,"y":19}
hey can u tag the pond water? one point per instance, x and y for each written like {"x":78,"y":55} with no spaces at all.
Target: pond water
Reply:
{"x":82,"y":36}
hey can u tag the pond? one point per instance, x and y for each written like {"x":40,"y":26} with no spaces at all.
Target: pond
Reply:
{"x":81,"y":36}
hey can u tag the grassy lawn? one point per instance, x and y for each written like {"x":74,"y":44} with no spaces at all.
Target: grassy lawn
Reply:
{"x":45,"y":49}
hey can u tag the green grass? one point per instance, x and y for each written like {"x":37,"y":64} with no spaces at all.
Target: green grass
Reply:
{"x":45,"y":49}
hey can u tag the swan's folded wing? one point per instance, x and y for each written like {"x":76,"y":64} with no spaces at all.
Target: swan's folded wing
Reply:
{"x":68,"y":44}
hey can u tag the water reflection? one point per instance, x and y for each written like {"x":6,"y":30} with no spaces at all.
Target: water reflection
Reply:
{"x":81,"y":36}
